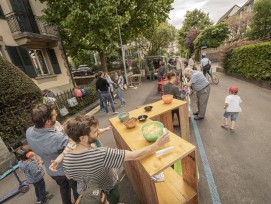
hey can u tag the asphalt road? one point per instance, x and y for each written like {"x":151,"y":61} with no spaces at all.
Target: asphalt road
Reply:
{"x":239,"y":161}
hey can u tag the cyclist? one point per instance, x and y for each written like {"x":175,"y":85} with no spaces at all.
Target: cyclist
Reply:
{"x":205,"y":64}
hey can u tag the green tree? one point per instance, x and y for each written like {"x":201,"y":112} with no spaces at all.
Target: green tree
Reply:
{"x":161,"y":38}
{"x":93,"y":25}
{"x":261,"y":22}
{"x":195,"y":19}
{"x":213,"y":36}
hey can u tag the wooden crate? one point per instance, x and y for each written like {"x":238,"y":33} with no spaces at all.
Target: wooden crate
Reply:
{"x":175,"y":188}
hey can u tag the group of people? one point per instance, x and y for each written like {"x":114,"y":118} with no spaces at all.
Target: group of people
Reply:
{"x":72,"y":158}
{"x":105,"y":89}
{"x":196,"y":80}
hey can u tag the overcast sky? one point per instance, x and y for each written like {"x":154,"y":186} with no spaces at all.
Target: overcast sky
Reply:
{"x":215,"y":8}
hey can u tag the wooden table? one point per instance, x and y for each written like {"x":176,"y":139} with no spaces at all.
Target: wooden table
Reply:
{"x":135,"y":79}
{"x":175,"y":189}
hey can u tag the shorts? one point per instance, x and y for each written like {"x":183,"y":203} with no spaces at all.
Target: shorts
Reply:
{"x":232,"y":114}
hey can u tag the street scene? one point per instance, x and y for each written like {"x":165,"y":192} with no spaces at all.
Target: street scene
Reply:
{"x":172,"y":110}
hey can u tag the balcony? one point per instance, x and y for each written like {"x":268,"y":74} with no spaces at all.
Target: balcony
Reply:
{"x":29,"y":30}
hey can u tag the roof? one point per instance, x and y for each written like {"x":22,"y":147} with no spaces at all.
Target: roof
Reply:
{"x":249,"y":2}
{"x":226,"y":15}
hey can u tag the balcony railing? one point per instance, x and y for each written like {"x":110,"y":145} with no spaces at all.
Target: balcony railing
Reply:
{"x":20,"y":22}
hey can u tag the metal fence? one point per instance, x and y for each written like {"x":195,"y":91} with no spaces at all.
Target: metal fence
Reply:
{"x":22,"y":22}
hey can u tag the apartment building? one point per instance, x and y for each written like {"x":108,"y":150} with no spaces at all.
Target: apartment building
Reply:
{"x":33,"y":45}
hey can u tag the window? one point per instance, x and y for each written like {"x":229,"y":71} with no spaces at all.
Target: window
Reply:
{"x":32,"y":61}
{"x":38,"y":61}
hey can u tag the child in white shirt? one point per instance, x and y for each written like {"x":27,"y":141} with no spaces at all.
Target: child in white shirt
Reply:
{"x":232,"y":106}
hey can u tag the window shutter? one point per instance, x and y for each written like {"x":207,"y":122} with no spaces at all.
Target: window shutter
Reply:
{"x":15,"y":57}
{"x":29,"y":68}
{"x":54,"y":62}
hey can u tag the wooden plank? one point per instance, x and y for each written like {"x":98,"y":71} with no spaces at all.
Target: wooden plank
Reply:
{"x":178,"y":190}
{"x":135,"y":140}
{"x":189,"y":170}
{"x":184,"y":122}
{"x":137,"y":175}
{"x":166,"y":119}
{"x":159,"y":108}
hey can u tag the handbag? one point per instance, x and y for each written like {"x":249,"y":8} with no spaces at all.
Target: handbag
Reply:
{"x":72,"y":102}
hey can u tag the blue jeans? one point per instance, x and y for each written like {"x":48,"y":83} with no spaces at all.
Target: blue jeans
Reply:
{"x":119,"y":96}
{"x":40,"y":190}
{"x":106,"y":96}
{"x":233,"y":115}
{"x":101,"y":101}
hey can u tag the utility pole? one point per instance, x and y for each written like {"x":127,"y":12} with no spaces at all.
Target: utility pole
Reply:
{"x":122,"y":53}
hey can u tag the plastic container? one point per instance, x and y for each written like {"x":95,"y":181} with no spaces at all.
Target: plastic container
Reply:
{"x":152,"y":130}
{"x":123,"y":116}
{"x":167,"y":98}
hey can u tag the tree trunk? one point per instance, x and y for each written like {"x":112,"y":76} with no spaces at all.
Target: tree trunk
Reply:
{"x":103,"y":61}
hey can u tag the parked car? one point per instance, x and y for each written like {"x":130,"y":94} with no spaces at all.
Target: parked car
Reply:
{"x":83,"y":70}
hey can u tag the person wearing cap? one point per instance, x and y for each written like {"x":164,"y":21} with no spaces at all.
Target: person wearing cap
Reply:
{"x":93,"y":195}
{"x":200,"y":85}
{"x":232,"y":108}
{"x":205,"y":64}
{"x":95,"y":166}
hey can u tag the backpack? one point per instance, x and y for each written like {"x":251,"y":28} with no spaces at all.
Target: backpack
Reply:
{"x":207,"y":67}
{"x":78,"y":93}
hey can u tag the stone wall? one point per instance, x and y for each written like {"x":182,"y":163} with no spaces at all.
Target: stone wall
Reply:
{"x":214,"y":54}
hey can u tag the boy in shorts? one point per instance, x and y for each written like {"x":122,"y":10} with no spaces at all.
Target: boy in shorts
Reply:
{"x":232,"y":106}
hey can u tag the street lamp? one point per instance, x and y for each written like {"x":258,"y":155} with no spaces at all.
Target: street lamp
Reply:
{"x":122,"y":53}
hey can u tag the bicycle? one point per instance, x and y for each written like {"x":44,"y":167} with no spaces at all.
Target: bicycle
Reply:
{"x":212,"y":77}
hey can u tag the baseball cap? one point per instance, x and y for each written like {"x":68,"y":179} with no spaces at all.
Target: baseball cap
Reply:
{"x":233,"y":89}
{"x":91,"y":195}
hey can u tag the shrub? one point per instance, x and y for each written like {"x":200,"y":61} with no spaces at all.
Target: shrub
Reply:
{"x":18,"y":94}
{"x":227,"y":49}
{"x":251,"y":61}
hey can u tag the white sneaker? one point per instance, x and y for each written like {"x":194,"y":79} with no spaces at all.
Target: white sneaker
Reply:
{"x":114,"y":113}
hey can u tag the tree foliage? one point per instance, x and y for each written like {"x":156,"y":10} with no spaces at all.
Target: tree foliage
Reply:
{"x":93,"y":25}
{"x":261,"y":22}
{"x":195,"y":19}
{"x":160,"y":38}
{"x":18,"y":94}
{"x":238,"y":25}
{"x":189,"y":40}
{"x":213,"y":36}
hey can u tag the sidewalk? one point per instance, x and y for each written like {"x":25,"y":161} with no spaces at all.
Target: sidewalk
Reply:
{"x":144,"y":94}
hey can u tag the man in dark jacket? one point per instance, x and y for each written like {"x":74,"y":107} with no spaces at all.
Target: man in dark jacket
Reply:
{"x":103,"y":87}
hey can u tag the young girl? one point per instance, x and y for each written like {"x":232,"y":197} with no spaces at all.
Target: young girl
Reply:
{"x":34,"y":175}
{"x":232,"y":106}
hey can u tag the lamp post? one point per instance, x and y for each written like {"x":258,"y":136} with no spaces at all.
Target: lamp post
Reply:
{"x":122,"y":53}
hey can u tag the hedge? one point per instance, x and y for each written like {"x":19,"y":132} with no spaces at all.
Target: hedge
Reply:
{"x":18,"y":94}
{"x":251,"y":61}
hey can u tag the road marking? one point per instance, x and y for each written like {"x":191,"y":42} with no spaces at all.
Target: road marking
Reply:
{"x":207,"y":168}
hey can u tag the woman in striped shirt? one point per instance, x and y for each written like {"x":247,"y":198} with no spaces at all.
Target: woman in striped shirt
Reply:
{"x":95,"y":165}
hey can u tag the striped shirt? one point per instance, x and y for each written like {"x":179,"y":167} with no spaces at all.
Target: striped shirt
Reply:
{"x":96,"y":165}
